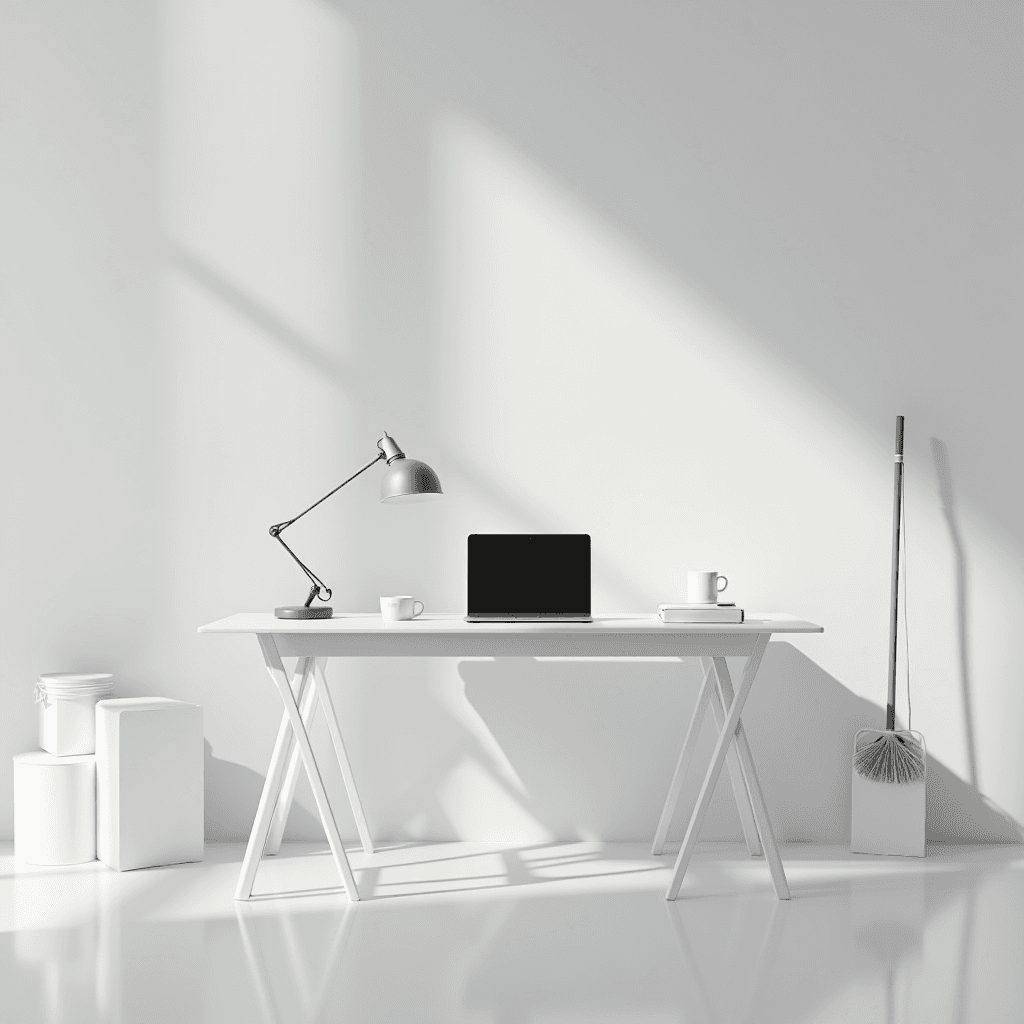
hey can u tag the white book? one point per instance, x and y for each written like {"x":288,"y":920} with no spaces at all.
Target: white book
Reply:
{"x":700,"y":613}
{"x":699,"y":606}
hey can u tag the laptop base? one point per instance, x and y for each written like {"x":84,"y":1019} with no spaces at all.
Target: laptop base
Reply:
{"x":529,"y":618}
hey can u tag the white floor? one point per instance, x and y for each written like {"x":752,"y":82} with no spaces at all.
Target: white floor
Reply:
{"x":548,"y":934}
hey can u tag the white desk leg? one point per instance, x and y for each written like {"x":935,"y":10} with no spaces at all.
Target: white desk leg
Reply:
{"x":732,"y":763}
{"x":272,"y":786}
{"x":715,"y":768}
{"x":320,"y":682}
{"x":277,"y":673}
{"x":307,"y":708}
{"x":753,"y":786}
{"x":685,"y":756}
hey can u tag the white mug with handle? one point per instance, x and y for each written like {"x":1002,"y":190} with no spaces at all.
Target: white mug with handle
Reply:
{"x":400,"y":609}
{"x":704,"y":587}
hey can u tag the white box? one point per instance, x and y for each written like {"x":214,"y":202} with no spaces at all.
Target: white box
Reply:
{"x":887,"y":817}
{"x":149,"y":782}
{"x":54,"y":808}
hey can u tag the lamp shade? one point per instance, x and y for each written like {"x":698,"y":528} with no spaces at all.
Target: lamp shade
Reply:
{"x":409,"y":480}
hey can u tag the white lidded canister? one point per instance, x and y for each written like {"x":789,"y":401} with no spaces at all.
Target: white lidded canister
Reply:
{"x":54,"y":808}
{"x":67,"y":710}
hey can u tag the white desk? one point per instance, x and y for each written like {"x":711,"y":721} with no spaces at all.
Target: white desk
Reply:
{"x":312,"y":642}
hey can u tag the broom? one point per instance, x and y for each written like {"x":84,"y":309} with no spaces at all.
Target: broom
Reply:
{"x":894,"y":757}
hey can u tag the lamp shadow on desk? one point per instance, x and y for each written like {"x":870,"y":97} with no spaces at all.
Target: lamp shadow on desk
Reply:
{"x":595,"y":743}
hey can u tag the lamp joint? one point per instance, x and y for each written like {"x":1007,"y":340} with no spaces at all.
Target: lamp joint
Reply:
{"x":389,"y":449}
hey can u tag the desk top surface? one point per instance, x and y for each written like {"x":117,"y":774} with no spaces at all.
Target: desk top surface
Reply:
{"x":452,"y":624}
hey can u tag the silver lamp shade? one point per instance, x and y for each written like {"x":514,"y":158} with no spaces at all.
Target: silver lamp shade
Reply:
{"x":409,"y":480}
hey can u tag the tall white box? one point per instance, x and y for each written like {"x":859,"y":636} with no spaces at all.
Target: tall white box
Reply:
{"x":888,"y":818}
{"x":149,"y":782}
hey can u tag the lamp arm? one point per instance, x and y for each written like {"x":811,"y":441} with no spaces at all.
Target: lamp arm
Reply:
{"x":319,"y":589}
{"x":278,"y":527}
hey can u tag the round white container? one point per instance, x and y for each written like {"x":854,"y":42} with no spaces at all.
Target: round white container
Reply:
{"x":54,"y":808}
{"x":67,"y":711}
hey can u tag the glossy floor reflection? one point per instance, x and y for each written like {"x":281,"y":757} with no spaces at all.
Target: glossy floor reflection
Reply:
{"x":557,"y":933}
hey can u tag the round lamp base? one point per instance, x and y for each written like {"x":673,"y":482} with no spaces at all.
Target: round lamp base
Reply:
{"x":300,"y":611}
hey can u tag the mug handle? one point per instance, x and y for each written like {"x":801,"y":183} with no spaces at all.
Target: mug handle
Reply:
{"x":420,"y":612}
{"x":724,"y":581}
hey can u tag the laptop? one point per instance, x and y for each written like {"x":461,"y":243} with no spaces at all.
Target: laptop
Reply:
{"x":528,"y":577}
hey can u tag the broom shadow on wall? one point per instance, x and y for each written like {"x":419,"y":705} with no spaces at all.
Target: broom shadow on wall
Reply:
{"x":940,"y":455}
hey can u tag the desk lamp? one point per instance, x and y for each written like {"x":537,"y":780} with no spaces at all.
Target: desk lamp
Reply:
{"x":406,"y":480}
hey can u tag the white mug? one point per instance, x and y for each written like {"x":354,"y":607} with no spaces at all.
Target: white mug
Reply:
{"x":399,"y":609}
{"x":704,"y":587}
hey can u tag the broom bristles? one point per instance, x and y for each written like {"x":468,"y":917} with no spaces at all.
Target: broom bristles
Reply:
{"x":892,"y":758}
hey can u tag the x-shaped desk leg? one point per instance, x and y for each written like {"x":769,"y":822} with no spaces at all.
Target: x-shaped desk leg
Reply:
{"x":293,"y":724}
{"x":685,"y":756}
{"x":729,"y":732}
{"x":710,"y":693}
{"x":318,"y":688}
{"x":753,"y":787}
{"x":272,"y":785}
{"x":307,"y":708}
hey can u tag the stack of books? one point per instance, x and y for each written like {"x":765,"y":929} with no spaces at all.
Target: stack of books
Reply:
{"x":700,"y":613}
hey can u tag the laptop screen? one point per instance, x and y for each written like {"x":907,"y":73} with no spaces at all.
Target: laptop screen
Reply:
{"x":529,"y":574}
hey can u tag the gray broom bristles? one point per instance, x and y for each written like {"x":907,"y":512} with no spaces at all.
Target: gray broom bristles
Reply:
{"x":894,"y":757}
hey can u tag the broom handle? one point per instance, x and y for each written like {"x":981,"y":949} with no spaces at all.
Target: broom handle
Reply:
{"x":897,"y":507}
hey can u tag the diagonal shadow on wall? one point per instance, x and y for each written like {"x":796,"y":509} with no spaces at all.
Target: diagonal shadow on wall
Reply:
{"x":692,"y":181}
{"x":595,"y":744}
{"x":232,"y":794}
{"x":940,"y":455}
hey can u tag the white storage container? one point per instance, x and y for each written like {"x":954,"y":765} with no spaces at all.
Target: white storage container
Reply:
{"x":67,"y":711}
{"x":54,"y":808}
{"x":149,"y":780}
{"x":888,"y":818}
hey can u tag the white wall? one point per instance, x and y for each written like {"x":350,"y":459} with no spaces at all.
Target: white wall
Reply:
{"x":649,"y":271}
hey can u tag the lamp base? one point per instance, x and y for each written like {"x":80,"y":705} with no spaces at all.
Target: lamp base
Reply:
{"x":300,"y":611}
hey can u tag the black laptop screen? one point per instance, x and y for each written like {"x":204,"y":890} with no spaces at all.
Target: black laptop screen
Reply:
{"x":529,"y":574}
